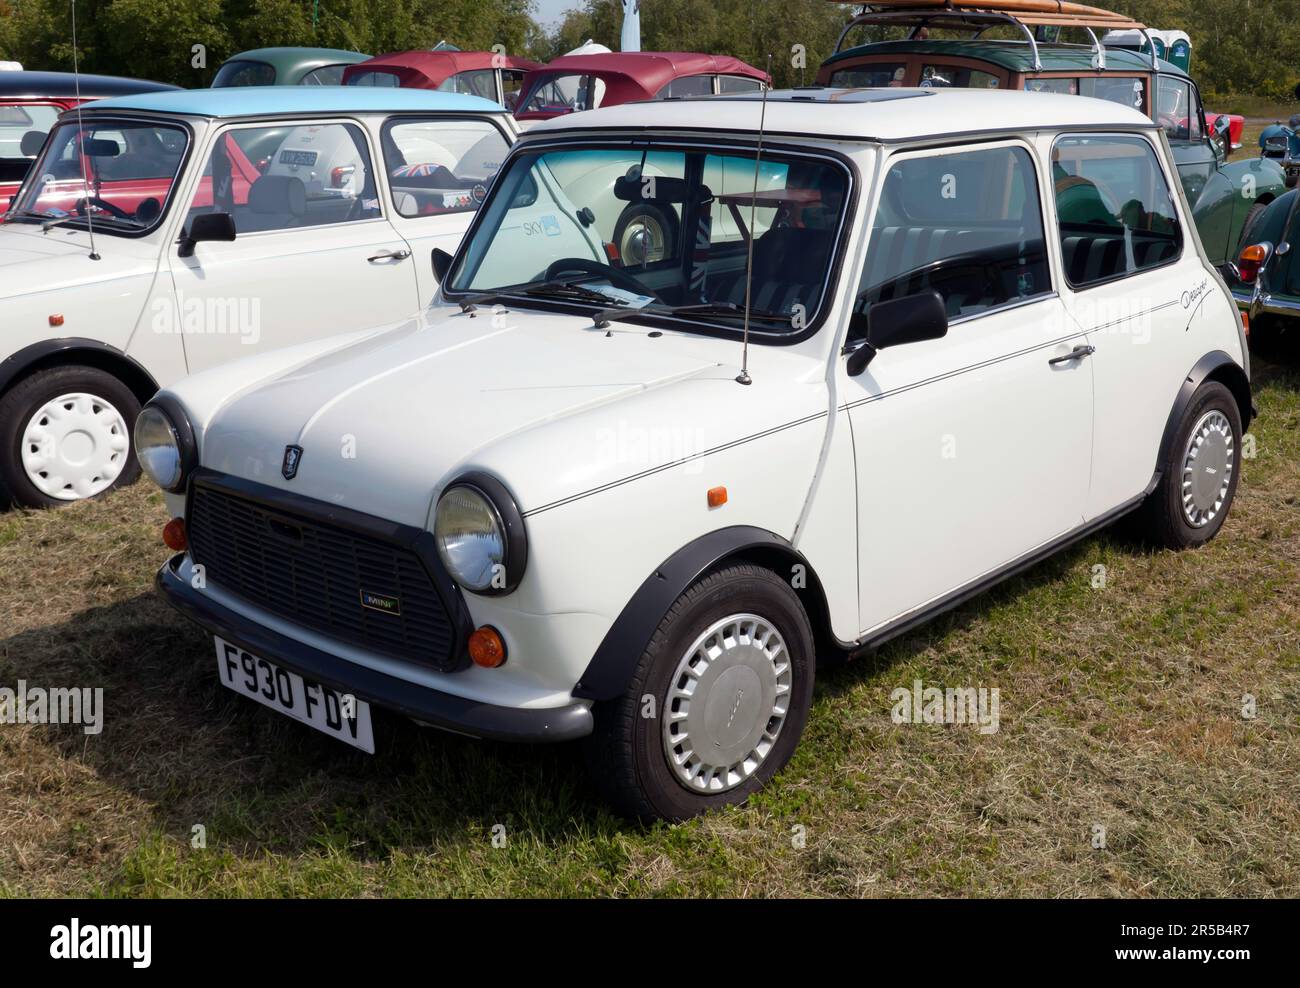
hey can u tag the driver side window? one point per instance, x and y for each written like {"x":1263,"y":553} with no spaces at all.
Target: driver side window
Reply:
{"x":967,"y":224}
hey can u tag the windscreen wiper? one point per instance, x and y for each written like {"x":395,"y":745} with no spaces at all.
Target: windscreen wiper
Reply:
{"x":696,"y":309}
{"x":30,"y":214}
{"x":572,"y":290}
{"x":566,"y":290}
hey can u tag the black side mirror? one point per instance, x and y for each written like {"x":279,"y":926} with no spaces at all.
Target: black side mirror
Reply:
{"x":207,"y":226}
{"x":1223,"y":133}
{"x":910,"y":319}
{"x":441,"y":264}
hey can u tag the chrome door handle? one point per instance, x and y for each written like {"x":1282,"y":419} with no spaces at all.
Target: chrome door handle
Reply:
{"x":1078,"y":353}
{"x":390,"y":255}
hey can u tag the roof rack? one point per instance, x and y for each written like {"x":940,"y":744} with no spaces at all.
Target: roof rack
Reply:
{"x":1030,"y":16}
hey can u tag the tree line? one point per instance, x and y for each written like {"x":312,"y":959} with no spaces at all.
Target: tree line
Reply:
{"x":1240,"y":46}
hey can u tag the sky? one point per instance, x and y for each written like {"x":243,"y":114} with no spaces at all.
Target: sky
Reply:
{"x":550,"y":12}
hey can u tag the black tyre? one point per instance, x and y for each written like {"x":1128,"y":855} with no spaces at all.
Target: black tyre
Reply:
{"x":1247,"y":228}
{"x":645,"y":234}
{"x":717,"y":702}
{"x":1200,"y":473}
{"x":65,"y":435}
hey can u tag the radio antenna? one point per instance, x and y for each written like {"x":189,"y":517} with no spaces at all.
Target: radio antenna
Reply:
{"x":743,"y":377}
{"x":81,"y":135}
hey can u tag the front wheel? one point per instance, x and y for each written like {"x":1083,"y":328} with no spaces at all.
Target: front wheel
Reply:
{"x":1199,"y":476}
{"x":717,"y":702}
{"x":65,"y":435}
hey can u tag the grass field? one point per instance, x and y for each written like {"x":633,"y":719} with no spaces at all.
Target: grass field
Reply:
{"x":1121,"y":707}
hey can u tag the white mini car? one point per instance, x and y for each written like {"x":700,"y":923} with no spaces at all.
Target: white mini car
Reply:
{"x":164,"y":233}
{"x":569,"y":502}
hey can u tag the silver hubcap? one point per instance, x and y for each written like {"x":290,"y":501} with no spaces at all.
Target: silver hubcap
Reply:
{"x":727,"y":703}
{"x":75,"y":446}
{"x":643,"y":242}
{"x":1207,"y":468}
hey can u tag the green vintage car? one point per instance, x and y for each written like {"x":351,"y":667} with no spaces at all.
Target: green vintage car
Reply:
{"x":286,"y":67}
{"x":1225,"y":195}
{"x":1266,"y":278}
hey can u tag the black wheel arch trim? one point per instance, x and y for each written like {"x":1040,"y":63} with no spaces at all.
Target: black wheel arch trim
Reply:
{"x":512,"y":523}
{"x":1217,"y":365}
{"x":424,"y":704}
{"x":18,"y":363}
{"x":170,"y":406}
{"x":611,"y":668}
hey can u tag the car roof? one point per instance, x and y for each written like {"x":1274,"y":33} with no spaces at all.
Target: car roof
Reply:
{"x":257,"y":101}
{"x":650,"y":70}
{"x":436,"y":66}
{"x":882,"y":115}
{"x":1014,"y":56}
{"x":64,"y":84}
{"x":288,"y":59}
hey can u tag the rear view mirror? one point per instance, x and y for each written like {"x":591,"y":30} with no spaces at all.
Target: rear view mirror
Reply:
{"x":32,"y":143}
{"x":207,"y":226}
{"x":910,"y":319}
{"x":441,"y":264}
{"x":97,"y":147}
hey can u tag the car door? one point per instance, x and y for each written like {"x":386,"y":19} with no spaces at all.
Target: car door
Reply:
{"x":1178,"y":111}
{"x":1126,"y":284}
{"x":437,"y":171}
{"x":974,"y":449}
{"x":314,"y":253}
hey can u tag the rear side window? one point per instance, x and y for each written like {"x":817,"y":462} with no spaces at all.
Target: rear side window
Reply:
{"x":441,"y":166}
{"x":967,"y":224}
{"x":244,"y":73}
{"x":1115,"y":208}
{"x":326,"y":75}
{"x":738,"y":84}
{"x":874,"y":75}
{"x":957,"y":77}
{"x":694,"y":85}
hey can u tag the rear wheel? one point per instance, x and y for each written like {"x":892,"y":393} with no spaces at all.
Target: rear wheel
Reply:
{"x":1200,"y":473}
{"x":65,"y":435}
{"x":717,"y":702}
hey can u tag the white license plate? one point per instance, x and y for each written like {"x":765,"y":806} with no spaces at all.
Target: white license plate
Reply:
{"x":315,"y":705}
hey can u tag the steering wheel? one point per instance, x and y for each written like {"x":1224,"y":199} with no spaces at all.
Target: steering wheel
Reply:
{"x":80,"y":207}
{"x":620,"y":279}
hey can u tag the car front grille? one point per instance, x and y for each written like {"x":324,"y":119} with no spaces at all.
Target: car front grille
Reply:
{"x":316,"y":574}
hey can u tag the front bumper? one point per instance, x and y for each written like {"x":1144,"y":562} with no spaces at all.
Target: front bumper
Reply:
{"x":443,"y":710}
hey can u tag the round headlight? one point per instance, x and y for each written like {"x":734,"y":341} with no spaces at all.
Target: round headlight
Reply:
{"x":158,"y":448}
{"x":471,"y":539}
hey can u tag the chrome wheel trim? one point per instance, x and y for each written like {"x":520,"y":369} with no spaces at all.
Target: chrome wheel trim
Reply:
{"x":644,"y":242}
{"x":726,"y":703}
{"x":75,"y":446}
{"x":1208,"y":463}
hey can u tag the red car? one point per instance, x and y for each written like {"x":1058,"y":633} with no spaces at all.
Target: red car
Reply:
{"x":30,"y":102}
{"x":585,"y":82}
{"x":477,"y":73}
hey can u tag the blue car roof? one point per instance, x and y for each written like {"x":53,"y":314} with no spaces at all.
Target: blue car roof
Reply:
{"x":258,"y":101}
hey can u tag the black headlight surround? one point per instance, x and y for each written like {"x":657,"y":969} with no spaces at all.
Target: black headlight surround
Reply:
{"x":185,"y":441}
{"x":512,"y":525}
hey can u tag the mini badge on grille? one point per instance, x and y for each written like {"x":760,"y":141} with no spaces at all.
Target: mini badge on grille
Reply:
{"x":381,"y":602}
{"x":292,"y":457}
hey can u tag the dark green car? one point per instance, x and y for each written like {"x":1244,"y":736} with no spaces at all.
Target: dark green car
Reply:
{"x":1224,"y":194}
{"x":286,"y":67}
{"x":1265,"y":281}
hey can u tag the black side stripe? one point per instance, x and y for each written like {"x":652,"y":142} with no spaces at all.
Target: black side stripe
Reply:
{"x":820,"y":415}
{"x":677,"y":463}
